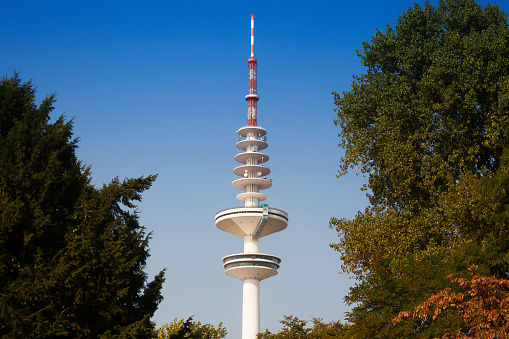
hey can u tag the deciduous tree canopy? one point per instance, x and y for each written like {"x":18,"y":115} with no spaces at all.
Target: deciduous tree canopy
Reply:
{"x":294,"y":328}
{"x":483,"y":302}
{"x":72,"y":256}
{"x":428,"y":124}
{"x":180,"y":329}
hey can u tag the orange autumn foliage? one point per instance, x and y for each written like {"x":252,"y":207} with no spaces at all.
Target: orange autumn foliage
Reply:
{"x":483,"y":302}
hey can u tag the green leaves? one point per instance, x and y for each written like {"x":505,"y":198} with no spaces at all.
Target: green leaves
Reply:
{"x":428,"y":91}
{"x":180,"y":329}
{"x":294,"y":328}
{"x":428,"y":124}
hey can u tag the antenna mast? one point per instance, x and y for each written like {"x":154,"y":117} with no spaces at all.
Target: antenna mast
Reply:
{"x":251,"y":96}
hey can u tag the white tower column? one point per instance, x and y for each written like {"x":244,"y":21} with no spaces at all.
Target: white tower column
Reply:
{"x":251,"y":309}
{"x":251,"y":245}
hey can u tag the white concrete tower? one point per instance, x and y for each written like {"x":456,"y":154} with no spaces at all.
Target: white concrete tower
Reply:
{"x":253,"y":220}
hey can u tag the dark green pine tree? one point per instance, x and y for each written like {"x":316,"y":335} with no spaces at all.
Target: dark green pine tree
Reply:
{"x":72,"y":256}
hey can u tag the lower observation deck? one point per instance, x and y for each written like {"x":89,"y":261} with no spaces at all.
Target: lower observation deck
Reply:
{"x":251,"y":265}
{"x":242,"y":221}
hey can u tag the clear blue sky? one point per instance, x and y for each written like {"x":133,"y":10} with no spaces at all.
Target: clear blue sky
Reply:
{"x":158,"y":87}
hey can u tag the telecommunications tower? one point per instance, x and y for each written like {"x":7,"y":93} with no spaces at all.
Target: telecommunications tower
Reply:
{"x":253,"y":220}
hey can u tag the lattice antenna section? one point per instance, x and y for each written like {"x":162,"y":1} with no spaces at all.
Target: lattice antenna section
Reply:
{"x":252,"y":96}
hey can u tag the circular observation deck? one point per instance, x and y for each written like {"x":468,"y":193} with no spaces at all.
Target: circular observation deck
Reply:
{"x":242,"y":144}
{"x":262,"y":183}
{"x":242,"y":221}
{"x":251,"y":265}
{"x":243,"y":169}
{"x":242,"y":157}
{"x":257,"y":130}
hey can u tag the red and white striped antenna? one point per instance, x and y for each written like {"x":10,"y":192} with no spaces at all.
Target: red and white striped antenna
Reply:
{"x":251,"y":96}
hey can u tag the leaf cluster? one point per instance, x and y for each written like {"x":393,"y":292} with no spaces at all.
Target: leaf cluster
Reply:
{"x":180,"y":329}
{"x":483,"y":302}
{"x":295,"y":328}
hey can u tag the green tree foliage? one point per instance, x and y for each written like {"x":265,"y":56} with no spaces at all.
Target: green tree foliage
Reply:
{"x":180,"y":329}
{"x":294,"y":328}
{"x":428,"y":124}
{"x":72,"y":256}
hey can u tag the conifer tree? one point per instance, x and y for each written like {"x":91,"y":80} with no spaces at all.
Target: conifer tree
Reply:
{"x":72,"y":256}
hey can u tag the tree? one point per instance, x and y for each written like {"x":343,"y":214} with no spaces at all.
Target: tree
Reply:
{"x":483,"y":303}
{"x":72,"y":256}
{"x":180,"y":329}
{"x":428,"y":125}
{"x":294,"y":328}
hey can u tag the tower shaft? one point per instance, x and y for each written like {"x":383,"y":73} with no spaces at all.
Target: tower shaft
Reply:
{"x":250,"y":308}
